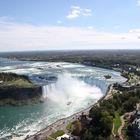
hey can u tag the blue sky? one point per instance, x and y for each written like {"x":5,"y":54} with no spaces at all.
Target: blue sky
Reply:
{"x":69,"y":24}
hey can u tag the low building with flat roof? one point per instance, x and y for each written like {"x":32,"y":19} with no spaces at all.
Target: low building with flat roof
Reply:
{"x":136,"y":128}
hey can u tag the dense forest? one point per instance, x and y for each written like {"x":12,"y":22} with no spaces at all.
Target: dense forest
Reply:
{"x":129,"y":57}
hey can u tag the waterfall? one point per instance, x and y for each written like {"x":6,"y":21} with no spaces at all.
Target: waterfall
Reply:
{"x":47,"y":89}
{"x":96,"y":82}
{"x":68,"y":88}
{"x":44,"y":91}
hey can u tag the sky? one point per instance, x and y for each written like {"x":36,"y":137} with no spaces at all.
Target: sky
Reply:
{"x":69,"y":24}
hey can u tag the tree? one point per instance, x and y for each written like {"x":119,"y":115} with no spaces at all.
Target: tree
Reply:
{"x":76,"y":127}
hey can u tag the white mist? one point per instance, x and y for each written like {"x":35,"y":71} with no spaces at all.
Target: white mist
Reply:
{"x":68,"y":88}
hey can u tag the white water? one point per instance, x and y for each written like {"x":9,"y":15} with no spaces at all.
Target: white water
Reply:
{"x":67,"y":87}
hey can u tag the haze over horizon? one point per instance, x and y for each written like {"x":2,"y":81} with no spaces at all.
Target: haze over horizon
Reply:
{"x":69,"y":25}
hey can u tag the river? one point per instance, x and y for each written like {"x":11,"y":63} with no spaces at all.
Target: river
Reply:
{"x":67,"y":88}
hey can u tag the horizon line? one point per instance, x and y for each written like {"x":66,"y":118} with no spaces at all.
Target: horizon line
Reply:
{"x":67,"y":50}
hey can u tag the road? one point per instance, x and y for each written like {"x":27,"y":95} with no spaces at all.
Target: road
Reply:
{"x":121,"y":127}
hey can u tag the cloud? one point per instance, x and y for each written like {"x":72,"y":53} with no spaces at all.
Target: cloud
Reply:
{"x":134,"y":31}
{"x":76,"y":12}
{"x":18,"y":37}
{"x":90,"y":27}
{"x":87,"y":12}
{"x":6,"y":20}
{"x":138,"y":2}
{"x":59,"y":21}
{"x":76,"y":7}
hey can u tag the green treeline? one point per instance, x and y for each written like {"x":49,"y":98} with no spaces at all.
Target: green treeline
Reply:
{"x":12,"y":77}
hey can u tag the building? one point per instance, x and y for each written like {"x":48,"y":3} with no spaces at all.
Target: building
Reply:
{"x":135,"y":118}
{"x":136,"y":128}
{"x":123,"y":87}
{"x":63,"y":137}
{"x":138,"y":106}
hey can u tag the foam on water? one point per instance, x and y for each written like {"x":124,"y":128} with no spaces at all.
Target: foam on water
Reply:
{"x":67,"y":87}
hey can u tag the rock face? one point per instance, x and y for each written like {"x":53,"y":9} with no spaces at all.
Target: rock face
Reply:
{"x":18,"y":90}
{"x":20,"y":96}
{"x":107,"y":76}
{"x":19,"y":93}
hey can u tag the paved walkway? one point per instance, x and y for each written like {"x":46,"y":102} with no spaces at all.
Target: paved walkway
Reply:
{"x":121,"y":127}
{"x":113,"y":131}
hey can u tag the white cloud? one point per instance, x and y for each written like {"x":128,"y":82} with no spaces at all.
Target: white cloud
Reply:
{"x":134,"y":31}
{"x":6,"y":20}
{"x":76,"y":11}
{"x":90,"y":27}
{"x":76,"y":7}
{"x":59,"y":21}
{"x":16,"y":37}
{"x":74,"y":14}
{"x":138,"y":2}
{"x":87,"y":12}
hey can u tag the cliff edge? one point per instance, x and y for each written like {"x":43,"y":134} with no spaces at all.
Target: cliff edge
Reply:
{"x":18,"y":90}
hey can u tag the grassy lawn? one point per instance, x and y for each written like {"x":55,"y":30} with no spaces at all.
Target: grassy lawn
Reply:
{"x":56,"y":134}
{"x":117,"y":122}
{"x":11,"y":79}
{"x":18,"y":83}
{"x":69,"y":127}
